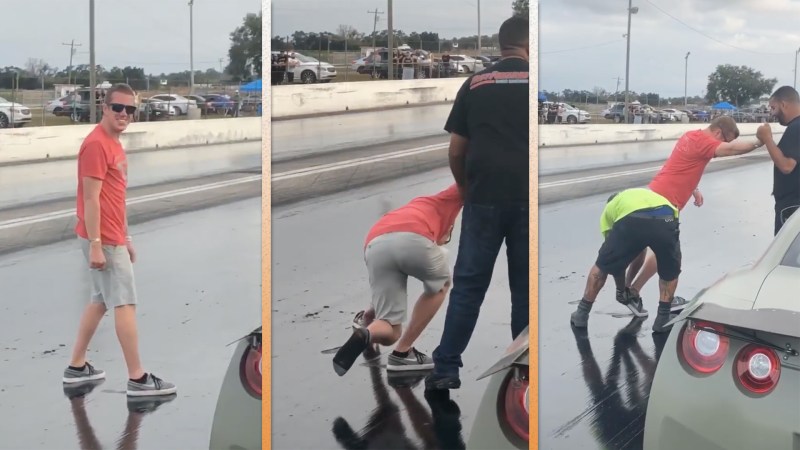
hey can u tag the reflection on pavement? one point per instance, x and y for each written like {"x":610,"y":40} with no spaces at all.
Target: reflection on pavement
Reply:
{"x":437,"y":428}
{"x":138,"y":407}
{"x":618,"y":423}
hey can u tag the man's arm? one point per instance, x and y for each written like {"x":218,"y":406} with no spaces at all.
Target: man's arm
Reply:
{"x":91,"y":207}
{"x":458,"y":159}
{"x":736,"y":148}
{"x":785,"y":164}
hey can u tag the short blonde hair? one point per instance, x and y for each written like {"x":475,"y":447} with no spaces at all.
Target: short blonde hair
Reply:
{"x":726,"y":124}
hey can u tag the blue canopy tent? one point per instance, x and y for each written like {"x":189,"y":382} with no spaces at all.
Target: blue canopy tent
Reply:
{"x":253,"y":86}
{"x":542,"y":97}
{"x":723,"y":105}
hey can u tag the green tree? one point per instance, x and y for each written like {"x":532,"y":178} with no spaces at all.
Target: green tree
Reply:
{"x":520,"y":8}
{"x":245,"y":50}
{"x":738,"y":85}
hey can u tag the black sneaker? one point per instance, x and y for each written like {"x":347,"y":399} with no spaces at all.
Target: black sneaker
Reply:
{"x":579,"y":318}
{"x":348,"y":353}
{"x":660,"y":324}
{"x":435,"y":382}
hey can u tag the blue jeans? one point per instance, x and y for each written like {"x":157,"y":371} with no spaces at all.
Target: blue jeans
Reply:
{"x":483,"y":229}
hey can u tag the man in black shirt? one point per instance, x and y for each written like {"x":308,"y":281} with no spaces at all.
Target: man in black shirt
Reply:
{"x":784,"y":104}
{"x":489,"y":158}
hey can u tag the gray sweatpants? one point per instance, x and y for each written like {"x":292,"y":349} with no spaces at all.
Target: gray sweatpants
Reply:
{"x":114,"y":285}
{"x":391,"y":258}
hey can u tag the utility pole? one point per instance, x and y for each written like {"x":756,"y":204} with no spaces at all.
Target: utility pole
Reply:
{"x":686,"y":80}
{"x":92,"y":75}
{"x":616,"y":91}
{"x":374,"y":31}
{"x":191,"y":46}
{"x":479,"y":27}
{"x":631,"y":10}
{"x":795,"y":68}
{"x":72,"y":46}
{"x":391,"y":41}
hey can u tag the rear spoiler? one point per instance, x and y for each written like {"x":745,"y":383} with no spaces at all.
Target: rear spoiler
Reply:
{"x":512,"y":354}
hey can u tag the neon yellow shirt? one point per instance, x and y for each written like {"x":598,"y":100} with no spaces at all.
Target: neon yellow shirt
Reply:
{"x":628,"y":201}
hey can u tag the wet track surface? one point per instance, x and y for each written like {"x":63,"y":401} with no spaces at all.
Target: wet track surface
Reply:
{"x":196,"y":295}
{"x":595,"y":383}
{"x":319,"y":283}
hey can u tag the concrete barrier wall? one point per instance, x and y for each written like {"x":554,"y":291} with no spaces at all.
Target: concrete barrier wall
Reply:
{"x":571,"y":135}
{"x":571,"y":148}
{"x":300,"y":100}
{"x":43,"y":143}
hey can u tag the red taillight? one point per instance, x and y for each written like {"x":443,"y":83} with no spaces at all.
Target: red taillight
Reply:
{"x":250,"y":370}
{"x":704,"y":351}
{"x":758,"y":369}
{"x":515,"y":404}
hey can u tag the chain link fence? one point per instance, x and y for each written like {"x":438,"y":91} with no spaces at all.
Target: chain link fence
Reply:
{"x":38,"y":101}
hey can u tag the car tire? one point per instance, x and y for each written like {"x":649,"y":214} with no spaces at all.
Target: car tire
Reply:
{"x":4,"y":122}
{"x":308,"y":77}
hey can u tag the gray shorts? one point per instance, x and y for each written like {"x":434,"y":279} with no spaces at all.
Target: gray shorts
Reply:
{"x":391,"y":258}
{"x":114,"y":285}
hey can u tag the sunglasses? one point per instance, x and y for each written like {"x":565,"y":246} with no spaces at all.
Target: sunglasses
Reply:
{"x":119,"y":107}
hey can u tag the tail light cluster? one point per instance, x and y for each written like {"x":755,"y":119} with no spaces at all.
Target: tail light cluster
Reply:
{"x":516,"y":403}
{"x":250,"y":368}
{"x":757,"y":368}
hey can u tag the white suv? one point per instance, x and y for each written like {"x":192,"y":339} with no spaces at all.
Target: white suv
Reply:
{"x":13,"y":115}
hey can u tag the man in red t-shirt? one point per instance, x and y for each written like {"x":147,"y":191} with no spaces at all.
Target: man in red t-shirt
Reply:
{"x":677,"y":181}
{"x":404,"y":242}
{"x":108,"y":249}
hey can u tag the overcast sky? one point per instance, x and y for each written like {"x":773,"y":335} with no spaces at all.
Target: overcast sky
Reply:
{"x":153,"y":34}
{"x":450,"y":18}
{"x":582,"y":43}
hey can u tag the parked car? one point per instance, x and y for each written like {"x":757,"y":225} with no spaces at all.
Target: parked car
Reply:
{"x":178,"y":103}
{"x":218,"y":102}
{"x":501,"y":420}
{"x":729,"y":377}
{"x":701,"y":115}
{"x":150,"y":109}
{"x":310,"y":70}
{"x":13,"y":115}
{"x":237,"y":417}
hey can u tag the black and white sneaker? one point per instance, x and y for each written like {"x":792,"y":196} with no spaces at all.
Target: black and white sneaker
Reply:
{"x":152,"y":386}
{"x":633,"y":302}
{"x":678,"y":303}
{"x":358,"y":320}
{"x":89,"y":373}
{"x":415,"y":360}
